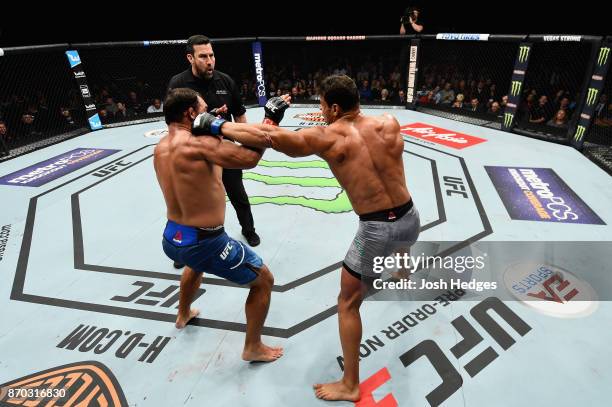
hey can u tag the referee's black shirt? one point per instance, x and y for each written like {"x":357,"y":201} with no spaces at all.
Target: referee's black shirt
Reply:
{"x":218,"y":91}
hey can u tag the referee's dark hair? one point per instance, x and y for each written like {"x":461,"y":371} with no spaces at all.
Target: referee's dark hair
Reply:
{"x":177,"y":102}
{"x":196,"y":40}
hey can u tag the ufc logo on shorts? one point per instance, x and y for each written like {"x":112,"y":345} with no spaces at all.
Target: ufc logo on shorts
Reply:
{"x":226,"y":251}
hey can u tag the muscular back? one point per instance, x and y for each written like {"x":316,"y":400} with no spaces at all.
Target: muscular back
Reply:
{"x":191,"y":185}
{"x":366,"y":158}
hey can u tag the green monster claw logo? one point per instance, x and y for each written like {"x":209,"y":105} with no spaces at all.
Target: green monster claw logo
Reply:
{"x":579,"y":133}
{"x":516,"y":88}
{"x":592,"y":96}
{"x":603,"y":56}
{"x":340,"y":204}
{"x":508,"y":117}
{"x":523,"y":53}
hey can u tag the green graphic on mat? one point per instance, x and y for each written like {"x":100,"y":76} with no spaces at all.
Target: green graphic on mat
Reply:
{"x":339,"y":204}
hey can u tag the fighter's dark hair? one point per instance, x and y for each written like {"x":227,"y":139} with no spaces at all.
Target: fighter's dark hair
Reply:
{"x":340,"y":90}
{"x":177,"y":102}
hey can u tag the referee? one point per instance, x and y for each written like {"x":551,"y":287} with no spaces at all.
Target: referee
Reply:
{"x":219,"y":92}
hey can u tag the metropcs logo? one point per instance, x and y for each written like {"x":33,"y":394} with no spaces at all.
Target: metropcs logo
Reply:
{"x":440,"y":136}
{"x":261,"y":88}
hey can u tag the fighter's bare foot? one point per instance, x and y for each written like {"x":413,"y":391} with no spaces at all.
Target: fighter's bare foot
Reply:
{"x":181,"y":321}
{"x":337,"y":391}
{"x":262,"y":353}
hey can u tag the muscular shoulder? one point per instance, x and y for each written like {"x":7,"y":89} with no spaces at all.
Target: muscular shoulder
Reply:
{"x":389,"y":122}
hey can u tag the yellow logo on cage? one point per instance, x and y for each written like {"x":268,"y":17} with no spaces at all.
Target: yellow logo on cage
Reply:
{"x":580,"y":130}
{"x":604,"y":52}
{"x":592,"y":96}
{"x":523,"y":53}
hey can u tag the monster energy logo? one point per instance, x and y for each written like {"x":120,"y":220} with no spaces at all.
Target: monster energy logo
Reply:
{"x":508,"y":117}
{"x":603,"y":56}
{"x":516,"y":88}
{"x":592,"y":96}
{"x":579,"y":133}
{"x":523,"y":53}
{"x":338,"y":204}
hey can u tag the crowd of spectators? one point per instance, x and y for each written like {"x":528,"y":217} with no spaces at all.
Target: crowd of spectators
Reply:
{"x":27,"y":118}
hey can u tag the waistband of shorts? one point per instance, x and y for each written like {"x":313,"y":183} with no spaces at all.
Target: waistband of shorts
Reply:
{"x":387,"y":215}
{"x":204,"y":233}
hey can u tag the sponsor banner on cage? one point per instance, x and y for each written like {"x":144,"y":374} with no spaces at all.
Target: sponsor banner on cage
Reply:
{"x":562,"y":38}
{"x":516,"y":84}
{"x":462,"y":37}
{"x":593,"y":94}
{"x":438,"y":135}
{"x":413,"y":66}
{"x":55,"y":167}
{"x":81,"y":79}
{"x":539,"y":194}
{"x":259,"y":73}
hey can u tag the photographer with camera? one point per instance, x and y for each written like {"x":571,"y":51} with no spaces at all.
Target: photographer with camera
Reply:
{"x":409,"y":24}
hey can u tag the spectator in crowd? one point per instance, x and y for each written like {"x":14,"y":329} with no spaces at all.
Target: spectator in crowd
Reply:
{"x":295,"y":94}
{"x":537,"y":114}
{"x":365,"y":93}
{"x":272,"y":89}
{"x":3,"y":129}
{"x":67,"y":120}
{"x":492,"y":92}
{"x":600,"y":108}
{"x":458,"y":103}
{"x":27,"y":128}
{"x":385,"y":97}
{"x":375,"y":89}
{"x":605,"y":118}
{"x":447,"y":95}
{"x":400,"y":98}
{"x":560,"y":119}
{"x":105,"y":116}
{"x":474,"y":105}
{"x":110,"y":105}
{"x":495,"y":109}
{"x":134,"y":104}
{"x":156,"y":107}
{"x":481,"y":93}
{"x":4,"y":139}
{"x":123,"y":113}
{"x":504,"y":102}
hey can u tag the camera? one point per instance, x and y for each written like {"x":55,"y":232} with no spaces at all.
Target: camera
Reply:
{"x":408,"y":14}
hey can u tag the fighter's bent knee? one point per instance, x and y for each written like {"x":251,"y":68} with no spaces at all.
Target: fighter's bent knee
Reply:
{"x":265,"y":277}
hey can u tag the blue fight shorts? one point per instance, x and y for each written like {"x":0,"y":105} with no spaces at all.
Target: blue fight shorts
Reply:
{"x":211,"y":250}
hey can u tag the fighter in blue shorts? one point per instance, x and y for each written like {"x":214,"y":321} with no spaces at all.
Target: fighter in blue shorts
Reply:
{"x":189,"y":172}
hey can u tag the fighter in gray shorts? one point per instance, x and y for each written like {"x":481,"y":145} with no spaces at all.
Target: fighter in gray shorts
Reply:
{"x":381,"y":233}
